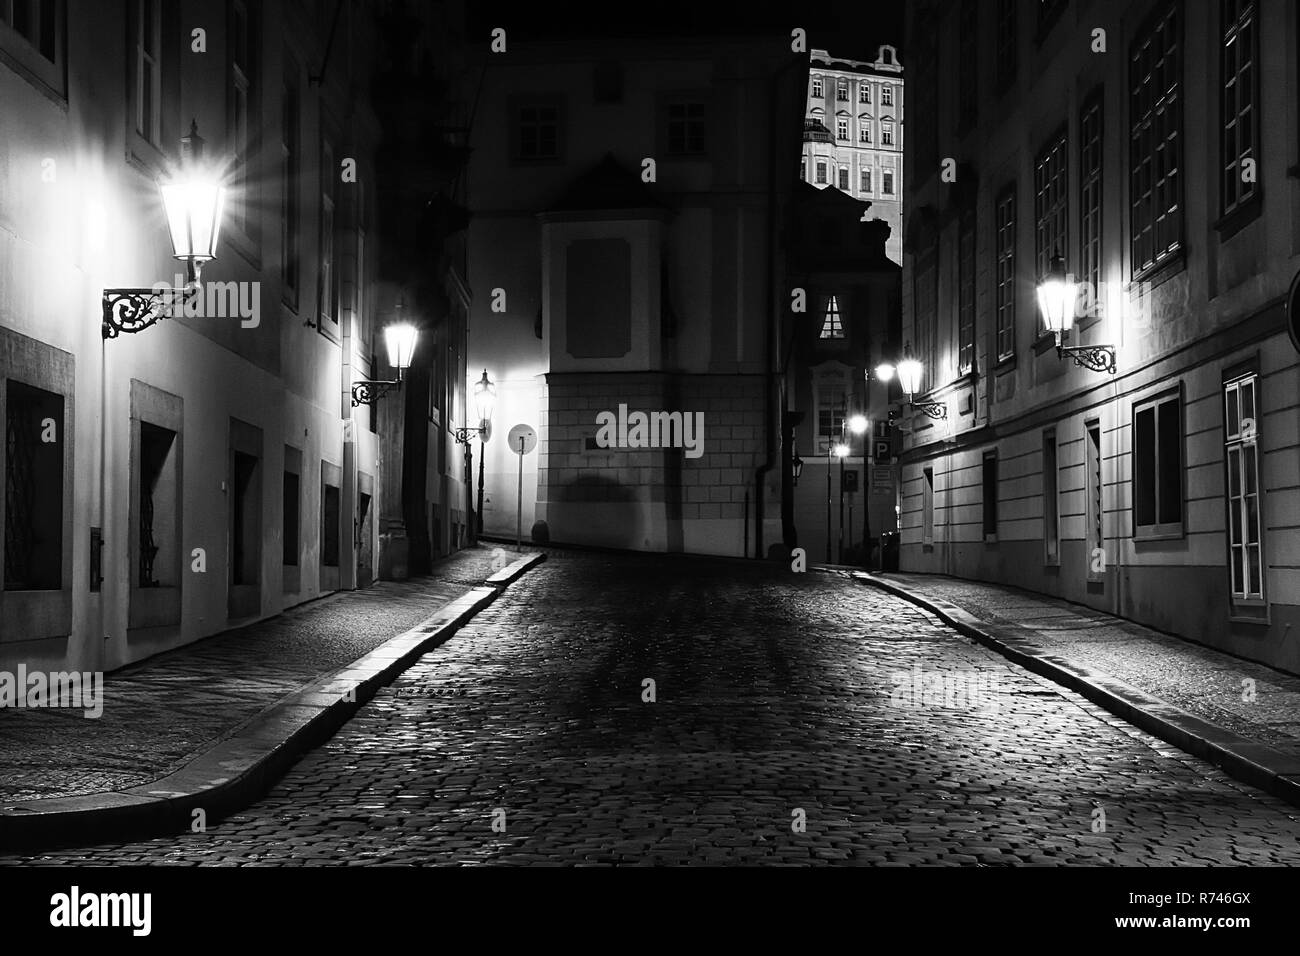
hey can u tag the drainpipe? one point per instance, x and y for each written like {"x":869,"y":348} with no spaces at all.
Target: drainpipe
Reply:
{"x":769,"y":373}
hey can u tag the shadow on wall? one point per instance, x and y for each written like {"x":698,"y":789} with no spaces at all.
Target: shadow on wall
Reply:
{"x":599,"y":511}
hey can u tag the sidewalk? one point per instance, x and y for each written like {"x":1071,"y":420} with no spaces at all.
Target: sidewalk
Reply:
{"x":1191,"y":696}
{"x":249,"y":692}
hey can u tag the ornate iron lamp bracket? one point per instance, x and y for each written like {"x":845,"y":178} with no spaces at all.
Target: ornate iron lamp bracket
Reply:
{"x":365,"y":392}
{"x":1099,"y":358}
{"x":134,"y":310}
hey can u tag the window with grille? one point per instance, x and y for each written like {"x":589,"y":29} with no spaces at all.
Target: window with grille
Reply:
{"x":33,"y":507}
{"x":1005,"y":273}
{"x":242,"y":53}
{"x":925,"y":294}
{"x":1090,"y":158}
{"x":966,"y":294}
{"x":1156,"y":142}
{"x":832,"y":325}
{"x":1158,"y":467}
{"x":1239,"y":136}
{"x":1244,"y":494}
{"x":1051,"y":204}
{"x":538,"y":132}
{"x":686,"y":129}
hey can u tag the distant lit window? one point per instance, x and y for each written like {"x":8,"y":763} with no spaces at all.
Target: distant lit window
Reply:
{"x":864,"y":131}
{"x":817,"y":88}
{"x":886,"y":96}
{"x":844,"y":178}
{"x":866,"y":180}
{"x":842,"y":128}
{"x":821,"y":173}
{"x":886,"y":134}
{"x":832,"y":326}
{"x":864,"y":92}
{"x":887,"y":182}
{"x":842,"y":91}
{"x":538,"y":132}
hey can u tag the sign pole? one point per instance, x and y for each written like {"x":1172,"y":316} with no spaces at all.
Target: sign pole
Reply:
{"x":519,"y":499}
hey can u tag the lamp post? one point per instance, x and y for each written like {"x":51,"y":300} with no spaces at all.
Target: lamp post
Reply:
{"x":193,"y":200}
{"x":485,"y":393}
{"x":858,"y":425}
{"x":796,"y":468}
{"x":400,"y":339}
{"x":1057,"y":294}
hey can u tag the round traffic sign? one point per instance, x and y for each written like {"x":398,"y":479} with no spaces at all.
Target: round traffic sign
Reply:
{"x":522,"y":439}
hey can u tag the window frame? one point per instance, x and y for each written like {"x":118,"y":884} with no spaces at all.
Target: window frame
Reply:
{"x":967,"y":270}
{"x":1092,"y":198}
{"x":1149,"y":133}
{"x":1004,"y":273}
{"x":1231,"y":44}
{"x":989,"y":503}
{"x":1051,"y":472}
{"x":1159,"y":530}
{"x":1253,"y":603}
{"x":23,"y":53}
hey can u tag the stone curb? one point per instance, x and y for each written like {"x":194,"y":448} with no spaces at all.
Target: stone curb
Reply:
{"x":241,"y":768}
{"x":1240,"y":757}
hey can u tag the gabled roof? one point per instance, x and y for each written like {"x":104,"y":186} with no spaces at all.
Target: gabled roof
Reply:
{"x":608,"y":185}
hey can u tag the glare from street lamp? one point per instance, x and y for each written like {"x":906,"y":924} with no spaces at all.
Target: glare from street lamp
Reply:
{"x":485,"y":394}
{"x":858,"y":424}
{"x":193,"y":200}
{"x":885,"y":371}
{"x":1056,"y":298}
{"x":840,"y":450}
{"x":400,"y":339}
{"x":909,"y":374}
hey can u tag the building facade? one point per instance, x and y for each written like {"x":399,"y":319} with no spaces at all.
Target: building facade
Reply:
{"x":1152,"y":146}
{"x":211,"y":469}
{"x":624,"y":258}
{"x":853,"y":134}
{"x":848,"y":324}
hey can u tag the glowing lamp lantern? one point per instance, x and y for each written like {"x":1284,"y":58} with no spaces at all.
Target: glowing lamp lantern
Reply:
{"x":858,"y":424}
{"x":400,"y":339}
{"x":193,"y":201}
{"x":909,"y":374}
{"x":485,"y":396}
{"x":1056,"y":299}
{"x":841,"y":450}
{"x":885,"y":372}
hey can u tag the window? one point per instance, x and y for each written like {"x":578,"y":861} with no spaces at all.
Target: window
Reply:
{"x":33,"y":507}
{"x":329,"y":283}
{"x":832,"y":399}
{"x":1244,"y":505}
{"x":832,"y":326}
{"x":925,"y":295}
{"x":842,"y":91}
{"x":1094,"y":539}
{"x":147,"y":94}
{"x":1051,"y":205}
{"x":331,"y":514}
{"x":817,"y":88}
{"x":821,"y":172}
{"x":886,"y":95}
{"x":886,"y":133}
{"x":37,"y":22}
{"x":968,"y":65}
{"x":685,"y":129}
{"x":537,"y":132}
{"x":156,"y":480}
{"x":990,"y":495}
{"x":864,"y":92}
{"x":866,"y":180}
{"x":803,"y":170}
{"x":607,"y":82}
{"x":1005,"y":272}
{"x":1051,"y":502}
{"x":927,"y":506}
{"x":864,"y":131}
{"x":1239,"y":139}
{"x":842,"y":128}
{"x":290,"y":149}
{"x":292,"y":505}
{"x":245,"y":550}
{"x":1155,"y":142}
{"x":887,"y":182}
{"x":1008,"y":43}
{"x":844,"y":178}
{"x":966,"y":294}
{"x":242,"y":57}
{"x":1158,"y":467}
{"x":1090,"y":157}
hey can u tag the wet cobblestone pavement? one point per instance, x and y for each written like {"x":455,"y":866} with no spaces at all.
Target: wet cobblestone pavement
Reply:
{"x":779,"y":699}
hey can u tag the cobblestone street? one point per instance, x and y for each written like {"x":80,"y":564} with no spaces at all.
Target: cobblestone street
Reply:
{"x":779,"y":698}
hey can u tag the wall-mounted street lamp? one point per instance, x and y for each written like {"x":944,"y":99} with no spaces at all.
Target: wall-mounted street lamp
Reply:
{"x":399,"y":339}
{"x":485,"y":396}
{"x":909,"y":377}
{"x":796,"y":468}
{"x":1056,"y":299}
{"x":193,"y":200}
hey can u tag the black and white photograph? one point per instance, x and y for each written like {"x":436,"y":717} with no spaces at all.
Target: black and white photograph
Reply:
{"x":686,"y":436}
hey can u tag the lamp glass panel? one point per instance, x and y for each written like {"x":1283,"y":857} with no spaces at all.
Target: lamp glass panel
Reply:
{"x":909,"y":375}
{"x":400,"y":340}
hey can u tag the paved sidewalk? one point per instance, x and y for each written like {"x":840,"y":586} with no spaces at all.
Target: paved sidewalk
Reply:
{"x":1243,"y":716}
{"x":161,"y":713}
